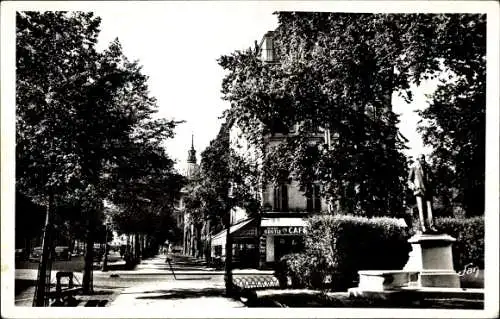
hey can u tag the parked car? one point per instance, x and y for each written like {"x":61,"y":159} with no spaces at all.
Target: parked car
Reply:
{"x":62,"y":253}
{"x":36,"y":254}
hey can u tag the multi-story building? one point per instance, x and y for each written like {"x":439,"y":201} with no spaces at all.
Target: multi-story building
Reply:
{"x":280,"y":226}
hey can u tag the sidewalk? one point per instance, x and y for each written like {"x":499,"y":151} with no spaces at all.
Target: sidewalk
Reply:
{"x":147,"y":267}
{"x":157,"y":265}
{"x":200,"y":295}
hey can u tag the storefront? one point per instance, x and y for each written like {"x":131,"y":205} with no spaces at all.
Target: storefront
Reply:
{"x":280,"y":236}
{"x":245,"y":244}
{"x":260,"y":246}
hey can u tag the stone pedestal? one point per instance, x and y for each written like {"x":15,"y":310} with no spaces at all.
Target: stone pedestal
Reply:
{"x":431,"y":256}
{"x":383,"y":280}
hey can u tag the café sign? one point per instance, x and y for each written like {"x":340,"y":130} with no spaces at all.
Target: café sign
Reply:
{"x":285,"y":230}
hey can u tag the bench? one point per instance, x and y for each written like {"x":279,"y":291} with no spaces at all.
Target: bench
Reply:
{"x":66,"y":295}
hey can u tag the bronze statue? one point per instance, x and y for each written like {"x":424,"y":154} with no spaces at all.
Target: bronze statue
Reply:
{"x":419,"y":181}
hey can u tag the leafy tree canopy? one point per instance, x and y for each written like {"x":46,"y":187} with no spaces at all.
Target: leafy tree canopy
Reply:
{"x":338,"y":71}
{"x":225,"y":181}
{"x":454,"y":124}
{"x":86,"y":129}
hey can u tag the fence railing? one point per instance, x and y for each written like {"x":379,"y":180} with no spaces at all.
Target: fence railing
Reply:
{"x":256,"y":281}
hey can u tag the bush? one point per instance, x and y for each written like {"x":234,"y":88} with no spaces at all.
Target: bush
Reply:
{"x":340,"y":246}
{"x":304,"y":270}
{"x":469,"y":233}
{"x":358,"y":243}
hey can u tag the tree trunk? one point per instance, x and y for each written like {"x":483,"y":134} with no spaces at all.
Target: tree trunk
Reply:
{"x":40,"y":296}
{"x":208,"y":241}
{"x":198,"y":241}
{"x":191,"y":241}
{"x":228,"y":277}
{"x":137,"y":245}
{"x":87,"y":284}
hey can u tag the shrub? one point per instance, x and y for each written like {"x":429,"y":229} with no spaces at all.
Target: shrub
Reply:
{"x":354,"y":243}
{"x":339,"y":246}
{"x":469,"y":233}
{"x":303,"y":269}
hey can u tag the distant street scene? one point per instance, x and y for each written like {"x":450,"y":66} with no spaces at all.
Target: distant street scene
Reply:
{"x":180,"y":157}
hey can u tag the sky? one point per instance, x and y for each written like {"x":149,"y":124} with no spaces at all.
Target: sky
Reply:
{"x":178,"y":45}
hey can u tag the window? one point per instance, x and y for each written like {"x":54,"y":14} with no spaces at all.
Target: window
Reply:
{"x":267,"y":47}
{"x":313,"y":199}
{"x":281,"y":198}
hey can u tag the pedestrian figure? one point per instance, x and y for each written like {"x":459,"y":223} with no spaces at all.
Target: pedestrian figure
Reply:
{"x":419,"y":181}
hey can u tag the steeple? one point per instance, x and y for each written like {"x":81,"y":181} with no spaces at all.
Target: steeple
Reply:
{"x":192,"y":152}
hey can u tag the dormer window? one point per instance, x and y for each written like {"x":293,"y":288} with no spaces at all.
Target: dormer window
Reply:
{"x":267,"y":53}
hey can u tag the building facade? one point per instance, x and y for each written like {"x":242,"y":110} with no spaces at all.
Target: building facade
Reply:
{"x":280,"y":227}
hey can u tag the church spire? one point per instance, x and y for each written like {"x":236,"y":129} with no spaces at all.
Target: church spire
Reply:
{"x":192,"y":152}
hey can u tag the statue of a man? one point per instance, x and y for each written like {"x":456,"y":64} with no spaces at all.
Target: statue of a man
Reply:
{"x":419,"y":181}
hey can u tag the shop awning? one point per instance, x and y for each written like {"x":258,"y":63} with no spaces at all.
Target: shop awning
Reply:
{"x":283,"y":222}
{"x":220,"y":237}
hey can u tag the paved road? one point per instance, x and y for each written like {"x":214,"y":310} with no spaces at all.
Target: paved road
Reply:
{"x":153,"y":271}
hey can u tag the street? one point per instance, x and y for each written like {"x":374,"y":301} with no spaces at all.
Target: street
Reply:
{"x":75,"y":264}
{"x":185,"y":272}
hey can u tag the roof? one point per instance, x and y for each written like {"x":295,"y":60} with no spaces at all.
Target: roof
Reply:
{"x":220,"y":237}
{"x":233,"y":228}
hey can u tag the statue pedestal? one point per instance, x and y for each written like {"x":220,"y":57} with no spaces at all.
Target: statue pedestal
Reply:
{"x":430,"y":266}
{"x":431,"y":256}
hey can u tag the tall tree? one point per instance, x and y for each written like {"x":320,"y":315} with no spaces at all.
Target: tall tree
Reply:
{"x":337,"y":71}
{"x":53,"y":53}
{"x":454,"y":124}
{"x":226,"y":181}
{"x":81,"y":114}
{"x":145,"y":187}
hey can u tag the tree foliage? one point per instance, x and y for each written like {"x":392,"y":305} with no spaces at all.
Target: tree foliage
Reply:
{"x":85,"y":124}
{"x":338,"y":71}
{"x":225,"y":181}
{"x":454,"y":124}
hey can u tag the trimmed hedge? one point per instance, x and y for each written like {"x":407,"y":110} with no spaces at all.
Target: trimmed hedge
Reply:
{"x":469,"y":233}
{"x":339,"y":246}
